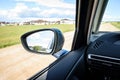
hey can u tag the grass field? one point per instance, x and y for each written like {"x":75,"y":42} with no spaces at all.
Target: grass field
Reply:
{"x":10,"y":35}
{"x":116,"y":24}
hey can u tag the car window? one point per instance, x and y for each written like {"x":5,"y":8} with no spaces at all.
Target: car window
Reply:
{"x":106,"y":18}
{"x":111,"y":18}
{"x":20,"y":16}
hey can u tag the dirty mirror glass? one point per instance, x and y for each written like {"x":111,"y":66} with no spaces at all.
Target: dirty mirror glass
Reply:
{"x":42,"y":41}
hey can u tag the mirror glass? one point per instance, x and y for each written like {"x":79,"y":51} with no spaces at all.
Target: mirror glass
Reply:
{"x":42,"y":41}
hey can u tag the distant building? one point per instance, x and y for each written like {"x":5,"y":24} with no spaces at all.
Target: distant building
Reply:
{"x":39,"y":22}
{"x":24,"y":23}
{"x":2,"y":23}
{"x":67,"y":21}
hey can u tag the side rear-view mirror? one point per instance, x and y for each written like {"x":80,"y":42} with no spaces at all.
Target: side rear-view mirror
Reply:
{"x":43,"y":41}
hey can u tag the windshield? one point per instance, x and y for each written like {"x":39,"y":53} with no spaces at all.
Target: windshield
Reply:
{"x":111,"y":17}
{"x":107,"y":18}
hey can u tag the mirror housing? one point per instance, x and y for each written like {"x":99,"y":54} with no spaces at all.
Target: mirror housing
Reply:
{"x":43,"y":41}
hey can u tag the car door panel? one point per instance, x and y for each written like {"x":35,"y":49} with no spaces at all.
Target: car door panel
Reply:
{"x":64,"y":67}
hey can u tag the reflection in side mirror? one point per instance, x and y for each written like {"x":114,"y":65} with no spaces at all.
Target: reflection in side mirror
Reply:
{"x":42,"y":41}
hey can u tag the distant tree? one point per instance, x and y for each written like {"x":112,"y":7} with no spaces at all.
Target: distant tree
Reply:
{"x":37,"y":48}
{"x":43,"y":49}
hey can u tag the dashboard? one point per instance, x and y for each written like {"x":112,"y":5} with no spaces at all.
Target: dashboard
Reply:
{"x":103,"y":57}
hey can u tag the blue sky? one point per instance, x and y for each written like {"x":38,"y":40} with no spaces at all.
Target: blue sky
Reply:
{"x":25,"y":10}
{"x":112,"y":12}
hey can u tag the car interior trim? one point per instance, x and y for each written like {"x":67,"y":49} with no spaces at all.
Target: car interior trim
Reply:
{"x":92,"y":57}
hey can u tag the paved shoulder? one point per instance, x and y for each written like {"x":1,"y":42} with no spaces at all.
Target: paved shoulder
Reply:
{"x":108,"y":27}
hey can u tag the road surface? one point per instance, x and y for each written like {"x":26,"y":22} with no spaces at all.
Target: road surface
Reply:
{"x":18,"y":64}
{"x":108,"y":27}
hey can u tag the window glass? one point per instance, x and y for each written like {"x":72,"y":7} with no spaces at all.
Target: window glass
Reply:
{"x":111,"y":18}
{"x":20,"y":16}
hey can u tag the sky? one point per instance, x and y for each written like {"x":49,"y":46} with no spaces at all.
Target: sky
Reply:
{"x":40,"y":39}
{"x":26,"y":10}
{"x":112,"y":12}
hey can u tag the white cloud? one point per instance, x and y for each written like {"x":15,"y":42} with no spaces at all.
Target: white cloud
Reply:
{"x":59,"y":12}
{"x":13,"y":13}
{"x":23,"y":12}
{"x":111,"y":18}
{"x":20,"y":12}
{"x":50,"y":3}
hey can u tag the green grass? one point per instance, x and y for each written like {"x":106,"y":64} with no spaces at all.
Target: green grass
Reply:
{"x":116,"y":24}
{"x":10,"y":35}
